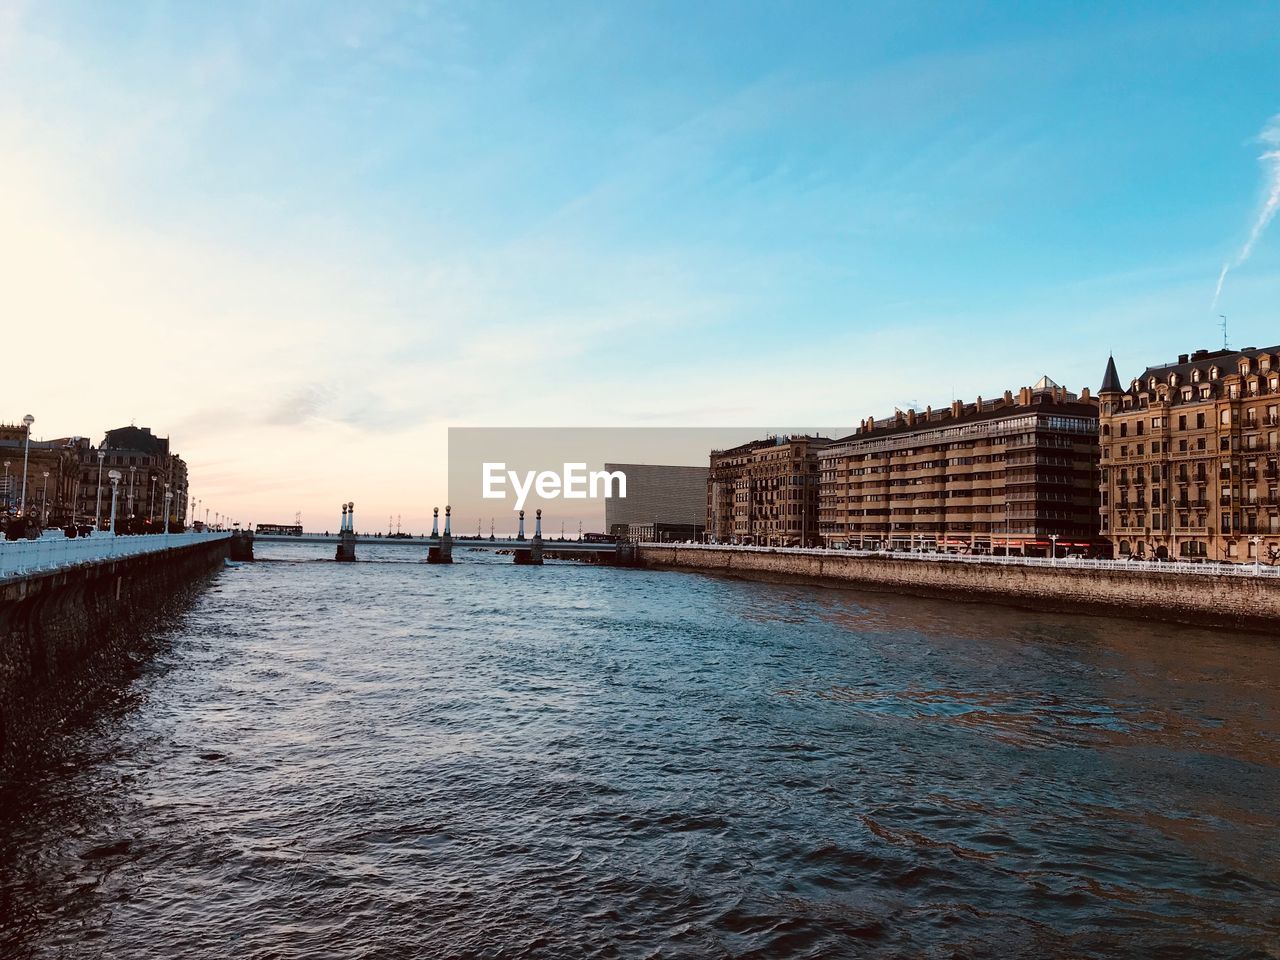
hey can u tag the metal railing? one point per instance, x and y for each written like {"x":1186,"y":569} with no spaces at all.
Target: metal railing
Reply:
{"x":1205,"y":568}
{"x":19,"y":558}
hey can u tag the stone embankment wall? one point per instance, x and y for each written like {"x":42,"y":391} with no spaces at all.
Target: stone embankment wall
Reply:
{"x":68,"y":634}
{"x":1138,"y":591}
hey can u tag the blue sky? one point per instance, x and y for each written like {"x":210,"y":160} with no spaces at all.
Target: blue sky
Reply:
{"x":352,"y":228}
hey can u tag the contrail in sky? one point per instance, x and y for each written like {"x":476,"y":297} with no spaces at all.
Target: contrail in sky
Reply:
{"x":1270,"y":158}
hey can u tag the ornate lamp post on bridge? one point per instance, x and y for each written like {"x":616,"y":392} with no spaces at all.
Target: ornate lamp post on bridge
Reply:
{"x":27,"y":421}
{"x":114,"y":477}
{"x":8,"y":494}
{"x":44,"y":501}
{"x":1053,"y":539}
{"x":168,"y":496}
{"x":97,"y":507}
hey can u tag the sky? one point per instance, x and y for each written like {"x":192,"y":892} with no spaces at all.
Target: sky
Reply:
{"x":304,"y":239}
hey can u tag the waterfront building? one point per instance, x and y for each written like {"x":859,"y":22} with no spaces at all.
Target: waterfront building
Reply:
{"x":659,"y":532}
{"x":146,"y":464}
{"x":765,"y":492}
{"x":660,"y":498}
{"x":48,"y":499}
{"x":1189,"y":453}
{"x":1011,"y":474}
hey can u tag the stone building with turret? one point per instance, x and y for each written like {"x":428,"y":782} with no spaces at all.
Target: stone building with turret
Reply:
{"x":1189,"y":453}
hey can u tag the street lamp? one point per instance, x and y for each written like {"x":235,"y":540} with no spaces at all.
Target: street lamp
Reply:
{"x":97,"y":507}
{"x":132,"y":471}
{"x":1054,"y":547}
{"x":114,"y":477}
{"x":8,"y":494}
{"x":27,"y":421}
{"x":168,"y":496}
{"x":1257,"y":553}
{"x":44,"y":501}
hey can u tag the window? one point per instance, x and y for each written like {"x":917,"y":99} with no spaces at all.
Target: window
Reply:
{"x":1199,"y":421}
{"x":1182,"y":423}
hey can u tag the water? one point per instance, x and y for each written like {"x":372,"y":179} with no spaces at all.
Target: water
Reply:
{"x":394,"y":760}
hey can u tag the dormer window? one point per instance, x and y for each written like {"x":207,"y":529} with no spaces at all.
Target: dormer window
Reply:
{"x":1195,"y":376}
{"x":1213,"y":373}
{"x":1186,"y":393}
{"x":1173,"y":379}
{"x":1151,"y":384}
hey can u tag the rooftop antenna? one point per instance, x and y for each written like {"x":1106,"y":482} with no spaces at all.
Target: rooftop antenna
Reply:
{"x":1223,"y":318}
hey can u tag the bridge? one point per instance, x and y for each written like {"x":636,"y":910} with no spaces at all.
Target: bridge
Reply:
{"x":440,"y":545}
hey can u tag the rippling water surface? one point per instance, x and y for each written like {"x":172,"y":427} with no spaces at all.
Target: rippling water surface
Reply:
{"x":394,"y":760}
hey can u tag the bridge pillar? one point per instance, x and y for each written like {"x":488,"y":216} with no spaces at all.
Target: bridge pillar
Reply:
{"x":442,"y":552}
{"x":346,"y":551}
{"x":242,"y":545}
{"x":535,"y":555}
{"x":435,"y":523}
{"x":520,"y":535}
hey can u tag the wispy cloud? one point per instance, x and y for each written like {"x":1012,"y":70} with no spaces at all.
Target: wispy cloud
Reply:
{"x":1270,"y":159}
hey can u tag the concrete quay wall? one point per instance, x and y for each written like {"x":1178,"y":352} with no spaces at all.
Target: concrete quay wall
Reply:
{"x":68,"y":633}
{"x":1138,"y":591}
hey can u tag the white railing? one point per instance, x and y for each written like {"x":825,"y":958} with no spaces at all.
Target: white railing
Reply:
{"x":1209,"y":568}
{"x":20,"y":558}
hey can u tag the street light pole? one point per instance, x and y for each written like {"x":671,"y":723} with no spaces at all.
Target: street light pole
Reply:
{"x":114,"y":477}
{"x":168,"y":496}
{"x":44,"y":501}
{"x":1053,"y":540}
{"x":1257,"y":553}
{"x":97,"y":507}
{"x":27,"y":421}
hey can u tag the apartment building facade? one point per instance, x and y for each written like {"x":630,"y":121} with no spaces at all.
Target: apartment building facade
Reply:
{"x":765,"y":493}
{"x":1016,"y":474}
{"x":1189,"y":457}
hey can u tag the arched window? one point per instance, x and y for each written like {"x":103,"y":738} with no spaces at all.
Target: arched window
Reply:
{"x":1195,"y":376}
{"x":1213,"y":373}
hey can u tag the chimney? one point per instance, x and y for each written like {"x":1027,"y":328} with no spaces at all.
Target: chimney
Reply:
{"x":1008,"y":398}
{"x":957,"y":408}
{"x":1024,"y":397}
{"x":1084,"y":393}
{"x":911,"y":418}
{"x":928,"y":412}
{"x":979,"y":404}
{"x":898,"y":418}
{"x":1182,"y":358}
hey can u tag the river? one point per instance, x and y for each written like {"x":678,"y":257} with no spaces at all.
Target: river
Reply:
{"x":389,"y":759}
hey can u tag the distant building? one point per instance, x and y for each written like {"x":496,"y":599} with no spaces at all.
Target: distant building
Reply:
{"x":1000,"y":475}
{"x":660,"y":532}
{"x":146,"y":464}
{"x":669,"y":497}
{"x":1189,"y":453}
{"x":49,"y":499}
{"x":765,"y":492}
